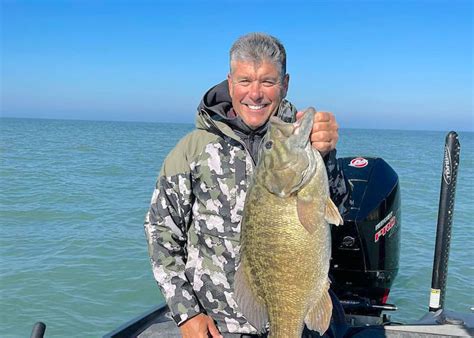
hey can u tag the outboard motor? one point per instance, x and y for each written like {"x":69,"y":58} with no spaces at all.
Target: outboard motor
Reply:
{"x":366,"y":249}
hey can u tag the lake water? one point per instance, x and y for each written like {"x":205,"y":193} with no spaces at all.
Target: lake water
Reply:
{"x":73,"y":195}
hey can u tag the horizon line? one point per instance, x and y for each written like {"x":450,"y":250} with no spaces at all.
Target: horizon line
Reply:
{"x":193,"y":123}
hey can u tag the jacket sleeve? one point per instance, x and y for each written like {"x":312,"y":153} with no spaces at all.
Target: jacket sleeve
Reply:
{"x":337,"y":185}
{"x":165,"y":228}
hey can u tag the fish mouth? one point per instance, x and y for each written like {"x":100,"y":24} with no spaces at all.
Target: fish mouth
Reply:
{"x":299,"y":136}
{"x":303,"y":128}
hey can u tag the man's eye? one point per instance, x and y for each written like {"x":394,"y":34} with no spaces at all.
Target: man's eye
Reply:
{"x":244,"y":82}
{"x":268,"y":83}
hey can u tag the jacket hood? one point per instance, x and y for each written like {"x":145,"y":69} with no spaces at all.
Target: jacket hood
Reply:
{"x":217,"y":101}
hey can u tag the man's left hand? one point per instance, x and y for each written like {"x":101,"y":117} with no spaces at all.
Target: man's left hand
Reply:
{"x":324,"y":135}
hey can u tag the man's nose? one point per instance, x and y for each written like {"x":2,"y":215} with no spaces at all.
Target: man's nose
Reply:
{"x":255,"y":93}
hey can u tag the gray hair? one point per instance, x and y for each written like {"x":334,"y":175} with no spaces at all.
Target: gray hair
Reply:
{"x":259,"y":47}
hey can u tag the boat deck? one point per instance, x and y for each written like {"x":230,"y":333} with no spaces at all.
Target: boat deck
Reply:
{"x":158,"y":323}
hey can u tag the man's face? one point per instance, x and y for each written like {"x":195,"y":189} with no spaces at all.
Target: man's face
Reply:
{"x":256,"y":90}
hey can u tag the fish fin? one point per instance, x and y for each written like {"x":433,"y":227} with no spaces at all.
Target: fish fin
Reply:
{"x":318,"y":317}
{"x":251,"y":307}
{"x":306,"y":213}
{"x":332,"y":215}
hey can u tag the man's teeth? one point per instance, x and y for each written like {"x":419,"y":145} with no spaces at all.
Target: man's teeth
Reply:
{"x":255,"y":107}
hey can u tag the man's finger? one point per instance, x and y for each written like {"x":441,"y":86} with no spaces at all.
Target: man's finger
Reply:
{"x":323,"y":116}
{"x":323,"y":126}
{"x":213,"y":329}
{"x":325,"y":136}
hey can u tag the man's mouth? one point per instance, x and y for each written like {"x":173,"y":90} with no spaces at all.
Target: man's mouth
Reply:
{"x":256,"y":107}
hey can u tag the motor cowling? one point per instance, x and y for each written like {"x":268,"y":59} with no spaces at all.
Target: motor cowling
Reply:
{"x":366,"y":249}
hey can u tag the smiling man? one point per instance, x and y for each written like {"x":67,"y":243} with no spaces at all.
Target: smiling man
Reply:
{"x":256,"y":90}
{"x":193,"y":224}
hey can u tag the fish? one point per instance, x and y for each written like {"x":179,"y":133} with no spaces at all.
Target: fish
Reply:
{"x":281,"y":282}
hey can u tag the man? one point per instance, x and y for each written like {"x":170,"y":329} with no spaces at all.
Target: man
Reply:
{"x":193,"y":225}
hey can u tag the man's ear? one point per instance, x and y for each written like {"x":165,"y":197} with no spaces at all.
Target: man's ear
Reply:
{"x":286,"y":81}
{"x":231,"y":85}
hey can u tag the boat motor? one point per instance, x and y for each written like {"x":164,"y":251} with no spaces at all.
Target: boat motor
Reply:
{"x":366,"y":248}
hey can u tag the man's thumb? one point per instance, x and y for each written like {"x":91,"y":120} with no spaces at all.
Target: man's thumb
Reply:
{"x":213,"y":329}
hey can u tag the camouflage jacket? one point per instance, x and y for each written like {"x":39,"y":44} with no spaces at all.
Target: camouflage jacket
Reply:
{"x":193,"y":224}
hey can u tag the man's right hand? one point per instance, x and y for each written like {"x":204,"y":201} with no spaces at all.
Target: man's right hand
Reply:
{"x":200,"y":326}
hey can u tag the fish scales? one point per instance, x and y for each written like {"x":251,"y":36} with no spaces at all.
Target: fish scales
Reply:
{"x":284,"y":265}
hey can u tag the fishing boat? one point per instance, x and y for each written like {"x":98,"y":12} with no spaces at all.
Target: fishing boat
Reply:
{"x":365,"y":261}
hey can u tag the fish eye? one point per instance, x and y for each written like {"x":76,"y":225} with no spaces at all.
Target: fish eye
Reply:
{"x":269,"y":145}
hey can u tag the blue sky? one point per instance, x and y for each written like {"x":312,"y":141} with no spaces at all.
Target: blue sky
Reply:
{"x":375,"y":64}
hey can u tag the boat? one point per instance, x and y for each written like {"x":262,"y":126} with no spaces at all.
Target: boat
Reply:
{"x":365,"y":260}
{"x":157,"y":323}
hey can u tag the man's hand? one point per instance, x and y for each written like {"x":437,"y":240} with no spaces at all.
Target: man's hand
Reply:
{"x":324,"y":135}
{"x":200,"y":326}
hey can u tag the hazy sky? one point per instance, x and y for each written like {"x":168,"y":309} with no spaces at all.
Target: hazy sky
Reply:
{"x":375,"y":64}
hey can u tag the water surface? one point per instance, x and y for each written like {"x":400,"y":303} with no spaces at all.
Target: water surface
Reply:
{"x":74,"y":195}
